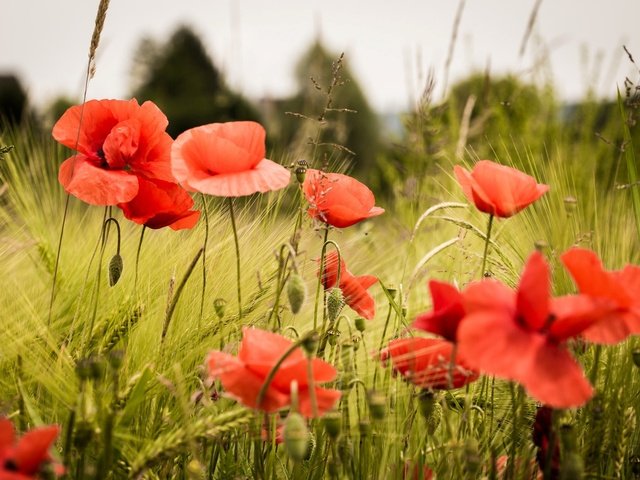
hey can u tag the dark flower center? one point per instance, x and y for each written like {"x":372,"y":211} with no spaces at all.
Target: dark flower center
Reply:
{"x":10,"y":465}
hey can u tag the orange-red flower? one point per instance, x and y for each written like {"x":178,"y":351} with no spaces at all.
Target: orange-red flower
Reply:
{"x":160,"y":204}
{"x":619,"y":290}
{"x":353,"y":288}
{"x":426,"y":362}
{"x":117,"y":141}
{"x":522,"y":335}
{"x":24,"y":458}
{"x":337,"y":199}
{"x":447,"y":312}
{"x":243,"y":376}
{"x":497,"y":189}
{"x":226,"y":160}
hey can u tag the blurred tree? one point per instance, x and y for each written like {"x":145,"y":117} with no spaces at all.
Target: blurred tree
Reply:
{"x":13,"y":99}
{"x":182,"y":80}
{"x":337,"y":111}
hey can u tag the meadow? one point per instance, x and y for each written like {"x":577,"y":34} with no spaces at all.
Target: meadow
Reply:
{"x":482,"y":326}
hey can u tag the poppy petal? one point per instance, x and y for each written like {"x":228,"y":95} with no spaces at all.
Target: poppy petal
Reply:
{"x":446,"y":314}
{"x":242,"y":384}
{"x":94,"y":185}
{"x":266,"y":176}
{"x":7,"y":435}
{"x":489,"y":295}
{"x":556,"y":379}
{"x":325,"y":401}
{"x":575,"y":314}
{"x":33,"y":448}
{"x":534,"y":292}
{"x":260,"y":347}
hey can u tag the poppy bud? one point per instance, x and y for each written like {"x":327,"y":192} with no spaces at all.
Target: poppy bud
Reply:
{"x":218,"y":305}
{"x":570,"y":204}
{"x":377,"y":404}
{"x":82,"y":434}
{"x":360,"y":324}
{"x":335,"y":302}
{"x":115,"y":269}
{"x":296,"y":291}
{"x":310,"y":343}
{"x":115,"y":359}
{"x":296,"y":437}
{"x":430,"y":409}
{"x":636,"y":357}
{"x":332,"y":422}
{"x":365,"y":428}
{"x":572,"y":467}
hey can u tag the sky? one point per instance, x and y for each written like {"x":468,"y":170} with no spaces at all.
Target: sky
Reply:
{"x":389,"y":45}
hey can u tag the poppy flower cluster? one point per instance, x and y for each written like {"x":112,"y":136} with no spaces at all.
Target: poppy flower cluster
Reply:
{"x":244,"y":375}
{"x":338,"y":200}
{"x":123,"y":158}
{"x":27,"y":457}
{"x":354,"y":288}
{"x":523,"y":334}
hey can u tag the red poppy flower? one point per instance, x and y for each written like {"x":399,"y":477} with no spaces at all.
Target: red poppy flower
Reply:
{"x":522,"y":335}
{"x":243,"y":376}
{"x":497,"y":189}
{"x":337,"y":199}
{"x":426,"y":362}
{"x":117,"y":141}
{"x":353,"y":288}
{"x":226,"y":160}
{"x":23,"y":459}
{"x":447,"y":313}
{"x":616,"y":289}
{"x":160,"y":204}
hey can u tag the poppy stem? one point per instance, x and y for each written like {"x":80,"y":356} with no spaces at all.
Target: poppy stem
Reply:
{"x":176,"y":296}
{"x":486,"y":246}
{"x":204,"y":255}
{"x":135,"y":278}
{"x":312,"y":387}
{"x":57,"y":264}
{"x":320,"y":277}
{"x":235,"y":239}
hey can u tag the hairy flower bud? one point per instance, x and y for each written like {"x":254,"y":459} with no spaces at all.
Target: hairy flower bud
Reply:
{"x":335,"y":302}
{"x":115,"y":269}
{"x":296,"y":437}
{"x":296,"y":292}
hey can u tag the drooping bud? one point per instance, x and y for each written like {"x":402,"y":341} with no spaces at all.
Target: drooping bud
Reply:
{"x":377,"y":404}
{"x":115,"y":269}
{"x":310,"y":343}
{"x":360,"y":324}
{"x":332,"y":422}
{"x":219,"y":305}
{"x":335,"y":302}
{"x":296,"y":437}
{"x":296,"y":292}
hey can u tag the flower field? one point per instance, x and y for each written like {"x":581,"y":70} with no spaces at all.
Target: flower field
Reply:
{"x":198,"y":308}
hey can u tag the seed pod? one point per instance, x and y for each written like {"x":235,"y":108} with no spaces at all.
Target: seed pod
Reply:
{"x":332,"y":422}
{"x":377,"y":404}
{"x":296,"y":437}
{"x":301,"y":171}
{"x":218,"y":305}
{"x":296,"y":292}
{"x":115,"y":269}
{"x":360,"y":324}
{"x":335,"y":302}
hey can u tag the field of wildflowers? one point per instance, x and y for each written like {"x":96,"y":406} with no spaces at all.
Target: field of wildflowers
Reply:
{"x":288,"y":324}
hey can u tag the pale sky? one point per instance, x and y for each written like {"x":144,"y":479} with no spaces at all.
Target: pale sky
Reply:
{"x":388,"y":44}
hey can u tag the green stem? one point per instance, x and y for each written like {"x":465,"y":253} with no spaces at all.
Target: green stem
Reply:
{"x":319,"y":284}
{"x":486,"y":246}
{"x":237,"y":244}
{"x":135,"y":281}
{"x":204,"y":255}
{"x":384,"y":333}
{"x":176,"y":296}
